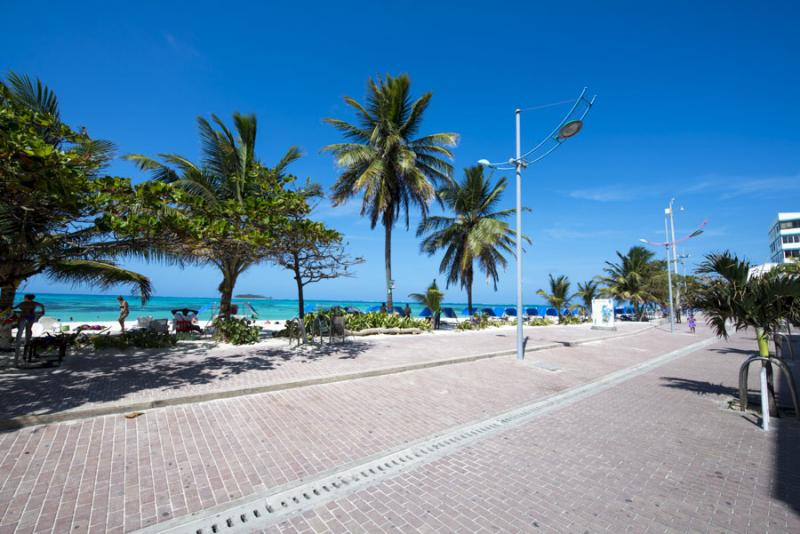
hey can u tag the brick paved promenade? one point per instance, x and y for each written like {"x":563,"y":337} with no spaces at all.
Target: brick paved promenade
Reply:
{"x":571,"y":469}
{"x":90,"y":380}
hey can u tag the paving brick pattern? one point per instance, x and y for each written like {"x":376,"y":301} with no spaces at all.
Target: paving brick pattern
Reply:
{"x":111,"y":474}
{"x":659,"y":453}
{"x":88,"y":380}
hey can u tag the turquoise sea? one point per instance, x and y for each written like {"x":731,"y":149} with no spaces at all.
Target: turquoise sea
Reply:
{"x":75,"y":307}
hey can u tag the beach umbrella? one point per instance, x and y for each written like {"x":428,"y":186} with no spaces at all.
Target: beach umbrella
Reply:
{"x":467,"y":313}
{"x":552,"y":312}
{"x":397,"y":309}
{"x":511,"y":312}
{"x":531,"y":312}
{"x":374,"y":308}
{"x":450,"y":313}
{"x":488,"y":311}
{"x":425,"y":313}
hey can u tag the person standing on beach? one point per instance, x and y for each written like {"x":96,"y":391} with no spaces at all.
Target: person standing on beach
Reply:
{"x":27,"y":316}
{"x":123,"y":311}
{"x":407,"y":311}
{"x":692,"y":323}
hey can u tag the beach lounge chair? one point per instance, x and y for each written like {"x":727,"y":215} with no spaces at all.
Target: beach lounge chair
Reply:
{"x":48,"y":325}
{"x":144,"y":322}
{"x":159,"y":326}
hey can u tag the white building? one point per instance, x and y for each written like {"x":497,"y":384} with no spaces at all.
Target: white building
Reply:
{"x":784,"y":238}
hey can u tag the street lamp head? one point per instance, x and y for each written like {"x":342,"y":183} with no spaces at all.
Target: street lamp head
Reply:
{"x":484,"y":162}
{"x":570,"y":129}
{"x":696,"y":233}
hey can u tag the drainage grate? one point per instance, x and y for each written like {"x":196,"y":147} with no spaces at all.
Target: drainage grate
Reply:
{"x":273,"y":507}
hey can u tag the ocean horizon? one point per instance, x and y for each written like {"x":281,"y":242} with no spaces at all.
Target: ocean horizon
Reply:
{"x":76,"y":307}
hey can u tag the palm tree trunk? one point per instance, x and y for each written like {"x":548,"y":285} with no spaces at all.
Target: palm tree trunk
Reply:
{"x":469,"y":292}
{"x":763,"y":351}
{"x":387,"y":255}
{"x":7,"y":295}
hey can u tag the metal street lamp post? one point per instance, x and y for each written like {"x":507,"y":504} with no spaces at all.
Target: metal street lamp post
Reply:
{"x":569,"y":126}
{"x":670,"y":244}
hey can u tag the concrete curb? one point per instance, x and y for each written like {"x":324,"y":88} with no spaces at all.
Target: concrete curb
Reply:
{"x":23,"y":421}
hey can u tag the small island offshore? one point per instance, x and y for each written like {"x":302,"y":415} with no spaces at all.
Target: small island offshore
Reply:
{"x":251,"y":296}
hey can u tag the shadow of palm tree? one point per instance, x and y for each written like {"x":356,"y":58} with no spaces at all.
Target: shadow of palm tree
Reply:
{"x":105,"y":376}
{"x":702,"y":387}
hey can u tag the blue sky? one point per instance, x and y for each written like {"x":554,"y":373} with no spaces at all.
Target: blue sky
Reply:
{"x":695,"y":100}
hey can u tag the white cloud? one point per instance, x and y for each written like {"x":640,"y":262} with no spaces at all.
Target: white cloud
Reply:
{"x":616,"y":193}
{"x":739,"y":186}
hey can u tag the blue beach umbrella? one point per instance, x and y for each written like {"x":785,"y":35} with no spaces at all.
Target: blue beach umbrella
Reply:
{"x":511,"y":312}
{"x":552,"y":312}
{"x":396,"y":309}
{"x":466,"y":312}
{"x":489,"y":312}
{"x":450,"y":313}
{"x":531,"y":312}
{"x":374,"y":308}
{"x":426,"y":312}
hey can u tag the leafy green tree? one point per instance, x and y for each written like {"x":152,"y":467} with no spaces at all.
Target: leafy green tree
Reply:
{"x":431,"y":299}
{"x":227,"y":211}
{"x":587,"y":292}
{"x":53,"y":197}
{"x":632,"y":278}
{"x":385,"y":162}
{"x":559,"y":296}
{"x":475,"y":232}
{"x":730,"y":295}
{"x":311,"y":251}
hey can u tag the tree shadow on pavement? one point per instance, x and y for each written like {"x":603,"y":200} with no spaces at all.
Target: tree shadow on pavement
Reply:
{"x":699,"y":386}
{"x":138,"y":375}
{"x":702,"y":387}
{"x":786,"y":481}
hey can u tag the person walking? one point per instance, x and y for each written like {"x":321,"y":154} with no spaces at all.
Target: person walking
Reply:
{"x":124,"y":310}
{"x":692,"y":323}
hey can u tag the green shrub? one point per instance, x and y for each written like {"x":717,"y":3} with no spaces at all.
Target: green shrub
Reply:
{"x":477,"y":322}
{"x":538,"y":321}
{"x":236,"y":331}
{"x":569,"y":319}
{"x":354,"y":322}
{"x":363,"y":321}
{"x":141,"y":339}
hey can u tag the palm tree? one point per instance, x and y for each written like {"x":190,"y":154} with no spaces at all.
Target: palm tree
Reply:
{"x":52,"y":174}
{"x":631,"y":278}
{"x":431,"y":299}
{"x":230,"y":174}
{"x":730,"y":295}
{"x":474,"y":233}
{"x":385,"y":162}
{"x":587,"y":292}
{"x":558,"y":297}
